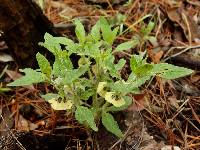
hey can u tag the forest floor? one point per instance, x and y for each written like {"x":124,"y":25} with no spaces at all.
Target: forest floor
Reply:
{"x":166,"y":113}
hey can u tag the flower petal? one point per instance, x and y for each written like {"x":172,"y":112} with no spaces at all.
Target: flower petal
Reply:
{"x":101,"y":89}
{"x":112,"y":98}
{"x":60,"y":105}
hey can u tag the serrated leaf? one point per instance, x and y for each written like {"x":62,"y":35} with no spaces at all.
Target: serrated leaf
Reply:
{"x":91,"y":50}
{"x":31,"y":77}
{"x":63,"y":40}
{"x":95,"y":32}
{"x":72,"y":48}
{"x":137,"y":60}
{"x":80,"y":31}
{"x":127,"y":45}
{"x":85,"y":83}
{"x":51,"y":44}
{"x":122,"y":87}
{"x":140,"y":81}
{"x":143,"y":69}
{"x":50,"y":96}
{"x":108,"y":35}
{"x":44,"y":64}
{"x":106,"y":29}
{"x":169,"y":71}
{"x":85,"y":95}
{"x":132,"y":77}
{"x":113,"y":68}
{"x":61,"y":64}
{"x":110,"y":124}
{"x":72,"y":75}
{"x":133,"y":63}
{"x":120,"y":64}
{"x":85,"y":115}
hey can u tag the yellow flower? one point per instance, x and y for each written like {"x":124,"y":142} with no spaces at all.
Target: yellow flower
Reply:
{"x":114,"y":99}
{"x":101,"y":89}
{"x":60,"y":105}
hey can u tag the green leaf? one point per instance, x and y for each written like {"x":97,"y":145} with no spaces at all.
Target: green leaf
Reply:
{"x":72,"y":75}
{"x":85,"y":95}
{"x":169,"y":71}
{"x":95,"y":32}
{"x":2,"y":90}
{"x":51,"y":44}
{"x":106,"y":29}
{"x":113,"y":68}
{"x":137,"y":60}
{"x":72,"y":48}
{"x":147,"y":30}
{"x":108,"y":35}
{"x":61,"y":64}
{"x":85,"y":115}
{"x":114,"y":34}
{"x":31,"y":77}
{"x":91,"y":50}
{"x":43,"y":64}
{"x":140,"y":81}
{"x":50,"y":96}
{"x":127,"y":45}
{"x":120,"y":64}
{"x":110,"y":124}
{"x":133,"y":63}
{"x":122,"y":87}
{"x":143,"y":70}
{"x":80,"y":31}
{"x":132,"y":77}
{"x":63,"y":40}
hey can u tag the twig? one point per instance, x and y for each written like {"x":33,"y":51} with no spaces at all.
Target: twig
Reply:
{"x":142,"y":134}
{"x":180,"y":109}
{"x":183,"y":51}
{"x":18,"y":142}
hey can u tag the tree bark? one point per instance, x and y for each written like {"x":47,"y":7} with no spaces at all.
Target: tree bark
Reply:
{"x":23,"y":25}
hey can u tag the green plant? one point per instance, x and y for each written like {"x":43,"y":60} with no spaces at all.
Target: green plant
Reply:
{"x":97,"y":78}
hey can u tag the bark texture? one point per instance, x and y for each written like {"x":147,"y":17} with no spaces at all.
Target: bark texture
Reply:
{"x":23,"y":25}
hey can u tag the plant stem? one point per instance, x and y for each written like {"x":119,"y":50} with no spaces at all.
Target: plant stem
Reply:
{"x":95,"y":102}
{"x":105,"y":105}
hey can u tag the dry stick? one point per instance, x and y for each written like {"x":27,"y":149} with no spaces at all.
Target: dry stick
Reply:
{"x":121,"y":139}
{"x":129,"y":10}
{"x":185,"y":50}
{"x":180,"y":109}
{"x":185,"y":136}
{"x":188,"y":26}
{"x":18,"y":142}
{"x":4,"y":70}
{"x":190,"y":122}
{"x":160,"y":23}
{"x":142,"y":134}
{"x":109,"y":4}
